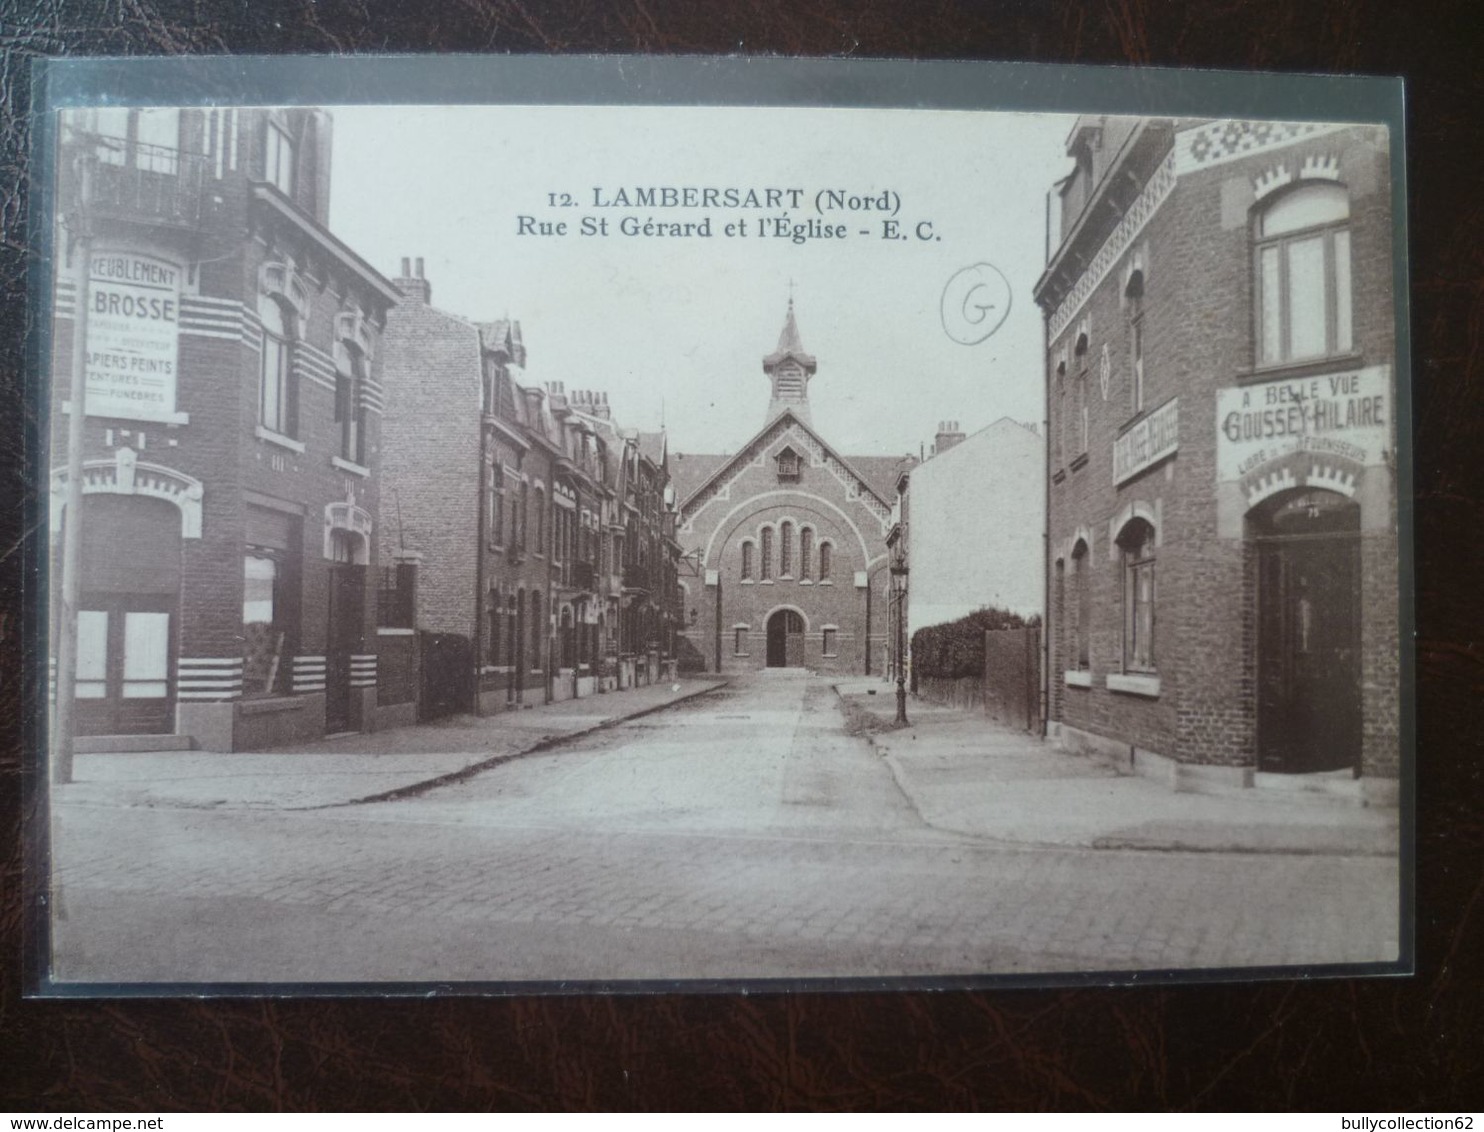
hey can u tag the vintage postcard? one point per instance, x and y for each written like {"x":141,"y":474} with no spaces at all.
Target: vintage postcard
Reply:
{"x":648,"y":541}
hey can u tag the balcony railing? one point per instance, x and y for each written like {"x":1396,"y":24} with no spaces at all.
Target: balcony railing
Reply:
{"x":636,"y":577}
{"x":582,"y":575}
{"x":154,"y":183}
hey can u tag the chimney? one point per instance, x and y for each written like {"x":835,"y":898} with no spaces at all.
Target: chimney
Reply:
{"x":412,"y":284}
{"x":597,"y":406}
{"x":948,"y":436}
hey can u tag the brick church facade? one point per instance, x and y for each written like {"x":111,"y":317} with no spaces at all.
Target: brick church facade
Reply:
{"x":1223,"y":549}
{"x":786,"y":540}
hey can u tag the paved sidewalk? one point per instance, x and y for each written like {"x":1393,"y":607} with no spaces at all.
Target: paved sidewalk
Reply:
{"x":965,"y":773}
{"x":352,"y":768}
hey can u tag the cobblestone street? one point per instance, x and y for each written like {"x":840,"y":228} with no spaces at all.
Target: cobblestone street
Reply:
{"x":741,"y":834}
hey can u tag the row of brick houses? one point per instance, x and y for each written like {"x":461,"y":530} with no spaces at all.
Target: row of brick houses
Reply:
{"x":311,"y":503}
{"x":534,"y":540}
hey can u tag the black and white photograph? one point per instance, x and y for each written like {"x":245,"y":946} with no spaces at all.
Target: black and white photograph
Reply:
{"x":573,"y":545}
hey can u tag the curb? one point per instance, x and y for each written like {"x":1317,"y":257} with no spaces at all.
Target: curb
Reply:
{"x":464,"y":773}
{"x":1110,"y":842}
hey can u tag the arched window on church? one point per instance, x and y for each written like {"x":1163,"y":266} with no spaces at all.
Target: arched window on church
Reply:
{"x":767,"y":563}
{"x":785,"y":550}
{"x":747,"y":561}
{"x":826,"y":553}
{"x":806,"y":552}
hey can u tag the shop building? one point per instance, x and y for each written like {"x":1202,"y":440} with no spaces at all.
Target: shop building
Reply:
{"x":1223,"y":563}
{"x":786,"y":537}
{"x":234,"y":397}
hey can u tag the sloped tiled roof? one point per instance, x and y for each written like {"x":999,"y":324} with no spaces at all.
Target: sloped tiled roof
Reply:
{"x":652,"y":447}
{"x":881,"y":472}
{"x":689,"y":470}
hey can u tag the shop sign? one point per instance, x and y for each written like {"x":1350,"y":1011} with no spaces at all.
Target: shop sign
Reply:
{"x":1345,"y":414}
{"x":133,"y":341}
{"x":1148,"y":442}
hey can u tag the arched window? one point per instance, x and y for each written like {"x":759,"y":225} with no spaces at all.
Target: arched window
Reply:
{"x":1136,"y":552}
{"x":518,"y":636}
{"x":826,"y":554}
{"x":1302,"y":270}
{"x":1060,"y":613}
{"x":1134,"y":293}
{"x":806,"y":552}
{"x":786,"y":550}
{"x":767,"y":563}
{"x":510,"y":626}
{"x":1080,"y":422}
{"x":350,"y":409}
{"x":747,"y":561}
{"x":540,"y":520}
{"x":494,"y":616}
{"x":1081,"y":622}
{"x":1061,"y":413}
{"x":538,"y":629}
{"x":278,"y":394}
{"x":523,"y":514}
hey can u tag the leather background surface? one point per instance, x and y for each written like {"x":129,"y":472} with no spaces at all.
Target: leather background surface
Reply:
{"x":1409,"y":1043}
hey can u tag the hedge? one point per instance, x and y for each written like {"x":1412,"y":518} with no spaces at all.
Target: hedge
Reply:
{"x":956,"y":649}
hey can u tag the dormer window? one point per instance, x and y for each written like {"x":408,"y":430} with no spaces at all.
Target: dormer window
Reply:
{"x":788,"y":466}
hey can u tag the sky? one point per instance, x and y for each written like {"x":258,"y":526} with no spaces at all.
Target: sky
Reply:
{"x":675,"y":329}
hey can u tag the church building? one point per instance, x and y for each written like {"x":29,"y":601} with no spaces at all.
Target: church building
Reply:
{"x":786,"y":540}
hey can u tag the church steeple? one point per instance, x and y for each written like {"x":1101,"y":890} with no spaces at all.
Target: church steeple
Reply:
{"x":790,"y":369}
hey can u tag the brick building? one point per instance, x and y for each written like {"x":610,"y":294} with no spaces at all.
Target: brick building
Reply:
{"x":1222,"y":496}
{"x":234,"y":398}
{"x":787,"y":539}
{"x":529,"y":562}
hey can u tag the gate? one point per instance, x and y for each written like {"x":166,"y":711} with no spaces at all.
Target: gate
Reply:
{"x":447,"y":675}
{"x":1012,"y":677}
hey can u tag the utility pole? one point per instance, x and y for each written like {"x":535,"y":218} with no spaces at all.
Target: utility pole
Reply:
{"x":79,"y":243}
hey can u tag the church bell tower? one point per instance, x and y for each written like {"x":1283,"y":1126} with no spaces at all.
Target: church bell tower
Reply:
{"x":790,"y":369}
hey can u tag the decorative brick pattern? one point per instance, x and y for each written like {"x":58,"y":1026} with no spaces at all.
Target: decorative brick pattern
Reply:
{"x":1197,"y":337}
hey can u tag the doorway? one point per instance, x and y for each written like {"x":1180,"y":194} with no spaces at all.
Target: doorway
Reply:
{"x":126,"y":618}
{"x":786,"y":639}
{"x":346,"y":624}
{"x":1308,"y":639}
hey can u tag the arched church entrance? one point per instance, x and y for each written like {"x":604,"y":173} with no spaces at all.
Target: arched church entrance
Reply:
{"x":786,"y":639}
{"x":1308,"y":633}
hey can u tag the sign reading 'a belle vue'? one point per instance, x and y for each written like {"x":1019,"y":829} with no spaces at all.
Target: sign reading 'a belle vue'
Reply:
{"x":133,"y":336}
{"x":1148,"y":442}
{"x":1345,"y":414}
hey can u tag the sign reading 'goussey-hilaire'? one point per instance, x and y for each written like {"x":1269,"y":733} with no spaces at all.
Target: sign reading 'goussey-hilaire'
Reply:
{"x":133,"y":336}
{"x":1148,"y":442}
{"x":1346,"y":414}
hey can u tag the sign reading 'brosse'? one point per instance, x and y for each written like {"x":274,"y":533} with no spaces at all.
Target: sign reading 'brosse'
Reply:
{"x":133,"y":336}
{"x":1344,"y":414}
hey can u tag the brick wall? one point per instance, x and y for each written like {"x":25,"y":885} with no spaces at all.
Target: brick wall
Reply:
{"x":821,"y":502}
{"x":1198,"y":338}
{"x":431,"y":457}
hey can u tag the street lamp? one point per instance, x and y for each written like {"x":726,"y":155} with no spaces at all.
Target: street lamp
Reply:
{"x":899,"y":596}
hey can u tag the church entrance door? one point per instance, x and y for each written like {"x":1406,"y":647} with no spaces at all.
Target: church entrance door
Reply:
{"x":786,"y":639}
